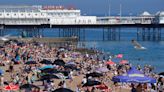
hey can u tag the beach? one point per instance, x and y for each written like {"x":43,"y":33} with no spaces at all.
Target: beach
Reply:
{"x":46,"y":69}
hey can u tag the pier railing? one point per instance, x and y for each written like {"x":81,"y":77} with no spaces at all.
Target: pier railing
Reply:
{"x":99,"y":21}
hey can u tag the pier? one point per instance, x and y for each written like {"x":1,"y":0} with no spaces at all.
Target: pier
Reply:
{"x":70,"y":22}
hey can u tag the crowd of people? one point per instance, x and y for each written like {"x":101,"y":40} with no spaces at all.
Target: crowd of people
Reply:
{"x":43,"y":68}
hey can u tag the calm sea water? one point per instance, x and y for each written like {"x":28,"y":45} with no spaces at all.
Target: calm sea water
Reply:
{"x":153,"y":55}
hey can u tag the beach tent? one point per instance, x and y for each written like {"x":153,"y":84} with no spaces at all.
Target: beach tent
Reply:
{"x":134,"y":76}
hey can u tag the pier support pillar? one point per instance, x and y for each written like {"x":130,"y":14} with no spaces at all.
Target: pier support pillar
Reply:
{"x":159,"y":34}
{"x":138,"y":32}
{"x":70,"y":32}
{"x":143,"y":34}
{"x":148,"y":34}
{"x":111,"y":34}
{"x":31,"y":32}
{"x":103,"y":34}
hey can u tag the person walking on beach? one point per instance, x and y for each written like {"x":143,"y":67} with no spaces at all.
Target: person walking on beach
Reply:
{"x":133,"y":88}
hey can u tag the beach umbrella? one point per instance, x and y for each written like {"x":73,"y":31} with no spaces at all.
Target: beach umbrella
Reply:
{"x":102,"y":69}
{"x":48,"y":77}
{"x":44,"y":61}
{"x":7,"y":88}
{"x":59,"y":62}
{"x":28,"y":86}
{"x":94,"y":74}
{"x":134,"y":76}
{"x":1,"y":71}
{"x":50,"y":70}
{"x":63,"y":90}
{"x":47,"y":67}
{"x":72,"y":67}
{"x":123,"y":62}
{"x":65,"y":73}
{"x":11,"y":87}
{"x":102,"y":87}
{"x":30,"y":62}
{"x":110,"y":63}
{"x":91,"y":83}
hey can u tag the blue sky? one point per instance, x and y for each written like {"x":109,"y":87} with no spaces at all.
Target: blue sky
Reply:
{"x":99,"y":7}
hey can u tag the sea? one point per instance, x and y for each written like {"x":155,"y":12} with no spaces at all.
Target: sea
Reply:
{"x":153,"y":55}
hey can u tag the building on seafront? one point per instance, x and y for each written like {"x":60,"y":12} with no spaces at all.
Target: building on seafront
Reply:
{"x":43,"y":15}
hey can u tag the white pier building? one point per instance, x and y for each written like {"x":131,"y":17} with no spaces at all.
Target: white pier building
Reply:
{"x":36,"y":15}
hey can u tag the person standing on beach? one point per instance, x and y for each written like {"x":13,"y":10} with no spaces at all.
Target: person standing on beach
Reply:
{"x":1,"y":80}
{"x":11,"y":69}
{"x":133,"y":88}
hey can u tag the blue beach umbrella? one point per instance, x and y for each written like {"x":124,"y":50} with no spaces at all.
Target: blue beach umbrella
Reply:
{"x":134,"y":76}
{"x":47,"y":67}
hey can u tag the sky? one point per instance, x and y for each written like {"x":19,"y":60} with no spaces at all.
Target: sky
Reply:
{"x":99,"y":7}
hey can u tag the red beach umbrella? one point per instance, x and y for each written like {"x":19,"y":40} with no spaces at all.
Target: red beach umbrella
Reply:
{"x":103,"y":88}
{"x":14,"y":87}
{"x":11,"y":87}
{"x":123,"y":62}
{"x":7,"y":87}
{"x":110,"y":63}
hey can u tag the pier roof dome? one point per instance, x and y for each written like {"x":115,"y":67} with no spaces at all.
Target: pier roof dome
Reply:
{"x":145,"y":13}
{"x":160,"y":13}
